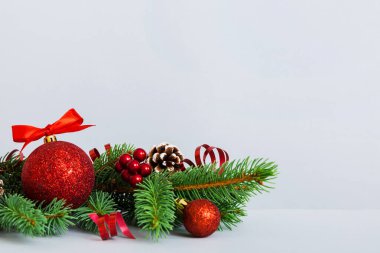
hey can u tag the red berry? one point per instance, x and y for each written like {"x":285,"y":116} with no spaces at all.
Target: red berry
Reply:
{"x":135,"y":179}
{"x":133,"y":167}
{"x":118,"y":167}
{"x":125,"y":175}
{"x":145,"y":169}
{"x":125,"y":159}
{"x":139,"y":154}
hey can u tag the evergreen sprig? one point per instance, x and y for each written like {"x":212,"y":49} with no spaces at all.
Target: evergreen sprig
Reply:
{"x":229,"y":187}
{"x":155,"y":205}
{"x":10,"y":173}
{"x":235,"y":182}
{"x":231,"y":214}
{"x":58,"y":217}
{"x":100,"y":203}
{"x":19,"y":214}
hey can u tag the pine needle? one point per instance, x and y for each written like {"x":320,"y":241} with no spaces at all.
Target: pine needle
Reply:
{"x":19,"y":214}
{"x":155,"y":205}
{"x":58,"y":217}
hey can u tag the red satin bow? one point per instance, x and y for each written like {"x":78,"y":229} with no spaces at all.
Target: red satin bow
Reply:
{"x":107,"y":225}
{"x":71,"y":121}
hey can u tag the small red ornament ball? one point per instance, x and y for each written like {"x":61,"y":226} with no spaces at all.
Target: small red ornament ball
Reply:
{"x":139,"y":154}
{"x":58,"y":170}
{"x":201,"y":217}
{"x":145,"y":169}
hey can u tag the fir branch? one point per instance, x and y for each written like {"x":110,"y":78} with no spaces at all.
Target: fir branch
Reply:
{"x":18,"y":213}
{"x":10,"y":173}
{"x":231,"y":214}
{"x":106,"y":178}
{"x":155,"y":205}
{"x":100,"y":203}
{"x":58,"y":217}
{"x":235,"y":182}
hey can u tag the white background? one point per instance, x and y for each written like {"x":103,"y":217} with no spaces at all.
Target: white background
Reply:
{"x":294,"y":81}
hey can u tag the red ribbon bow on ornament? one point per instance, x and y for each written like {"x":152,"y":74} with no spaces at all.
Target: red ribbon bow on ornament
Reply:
{"x":107,"y":225}
{"x":71,"y":121}
{"x":209,"y":151}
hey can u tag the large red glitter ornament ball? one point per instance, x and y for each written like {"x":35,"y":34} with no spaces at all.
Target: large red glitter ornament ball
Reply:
{"x":201,"y":218}
{"x":58,"y":170}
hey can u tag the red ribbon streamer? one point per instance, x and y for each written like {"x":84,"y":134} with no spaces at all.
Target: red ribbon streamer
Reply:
{"x":107,"y":225}
{"x":94,"y":153}
{"x":71,"y":121}
{"x":209,"y":151}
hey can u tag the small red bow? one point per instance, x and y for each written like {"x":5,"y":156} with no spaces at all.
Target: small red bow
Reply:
{"x":71,"y":121}
{"x":107,"y":225}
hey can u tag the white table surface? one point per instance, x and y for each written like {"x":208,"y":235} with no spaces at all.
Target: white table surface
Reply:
{"x":262,"y":231}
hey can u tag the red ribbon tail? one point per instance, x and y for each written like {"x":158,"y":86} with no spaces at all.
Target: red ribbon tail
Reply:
{"x":111,"y":222}
{"x":101,"y":223}
{"x":23,"y":146}
{"x":107,"y":225}
{"x":123,"y":226}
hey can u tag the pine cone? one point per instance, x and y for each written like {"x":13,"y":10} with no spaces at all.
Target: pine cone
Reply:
{"x":165,"y":157}
{"x":1,"y":188}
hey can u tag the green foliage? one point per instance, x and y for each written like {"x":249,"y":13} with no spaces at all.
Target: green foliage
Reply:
{"x":106,"y":177}
{"x":231,"y":214}
{"x":100,"y":203}
{"x":22,"y":215}
{"x":228,"y":187}
{"x":235,"y":182}
{"x":18,"y":213}
{"x":10,"y":173}
{"x":155,"y":205}
{"x":58,"y":217}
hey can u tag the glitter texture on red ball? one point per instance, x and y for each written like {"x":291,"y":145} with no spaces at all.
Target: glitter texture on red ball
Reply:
{"x":58,"y":170}
{"x":201,"y":218}
{"x":139,"y":154}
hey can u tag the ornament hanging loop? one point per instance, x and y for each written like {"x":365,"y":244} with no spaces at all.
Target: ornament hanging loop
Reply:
{"x":50,"y":138}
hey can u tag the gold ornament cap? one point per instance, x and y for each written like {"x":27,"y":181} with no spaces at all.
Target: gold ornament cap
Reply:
{"x":50,"y":138}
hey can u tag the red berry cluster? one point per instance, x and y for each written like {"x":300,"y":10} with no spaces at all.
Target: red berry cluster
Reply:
{"x":133,"y":168}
